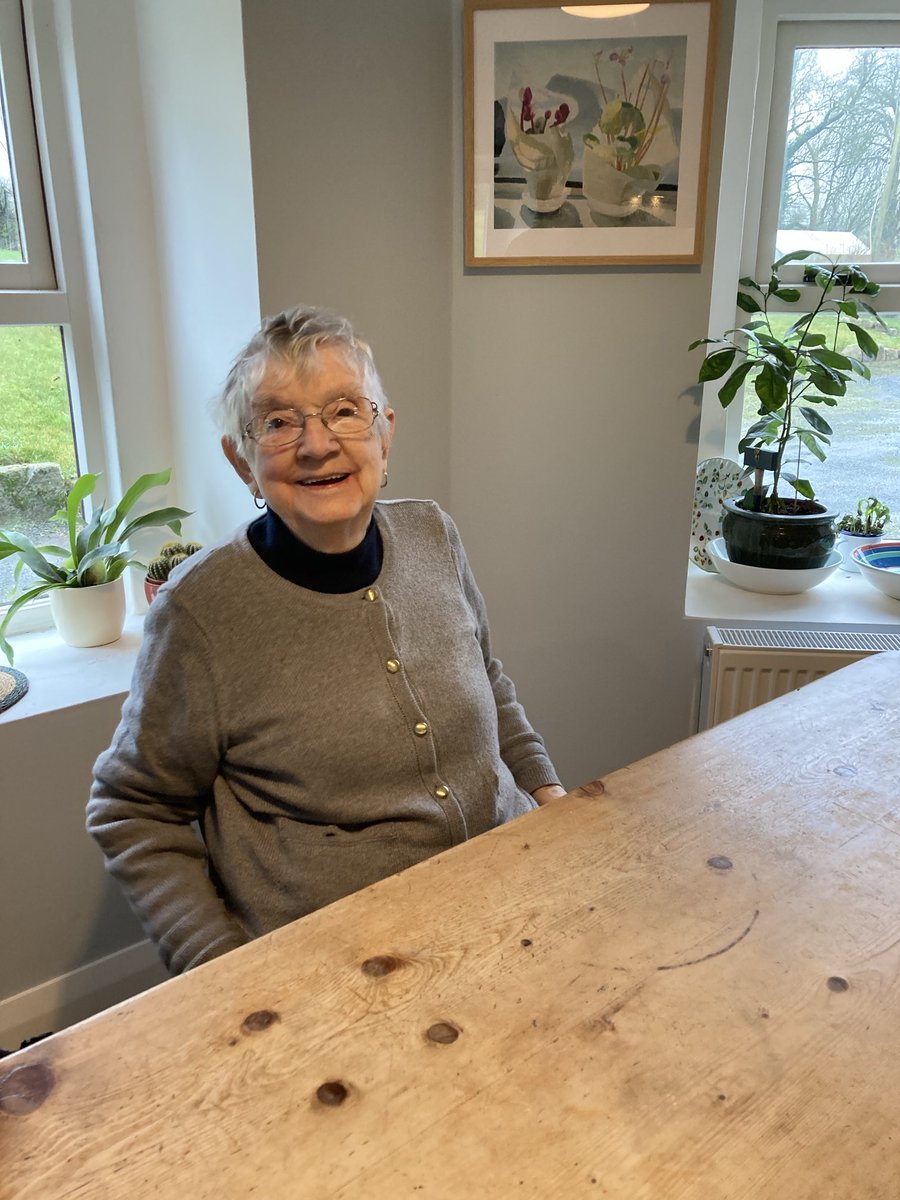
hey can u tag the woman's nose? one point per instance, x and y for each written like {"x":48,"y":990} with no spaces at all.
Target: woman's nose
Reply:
{"x":316,"y":437}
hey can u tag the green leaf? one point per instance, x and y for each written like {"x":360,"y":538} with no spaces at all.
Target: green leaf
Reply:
{"x":771,"y":388}
{"x":865,"y":341}
{"x":799,"y":325}
{"x":715,"y":365}
{"x":34,"y":560}
{"x":172,"y":517}
{"x":817,"y":421}
{"x":824,"y":280}
{"x":789,"y":294}
{"x":747,"y":282}
{"x":830,"y":358}
{"x":134,"y":493}
{"x":84,"y":485}
{"x":703,"y":342}
{"x":19,"y":601}
{"x":746,"y":302}
{"x":872,"y":288}
{"x":728,"y":391}
{"x":794,"y":256}
{"x":814,"y":339}
{"x":848,"y":307}
{"x":812,"y":445}
{"x":827,"y":382}
{"x":803,"y":486}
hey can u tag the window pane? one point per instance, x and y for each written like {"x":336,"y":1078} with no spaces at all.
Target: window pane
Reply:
{"x":864,"y":456}
{"x":10,"y":238}
{"x":842,"y":154}
{"x":37,"y":446}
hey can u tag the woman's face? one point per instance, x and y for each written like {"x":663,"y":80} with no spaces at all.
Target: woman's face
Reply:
{"x":323,"y":487}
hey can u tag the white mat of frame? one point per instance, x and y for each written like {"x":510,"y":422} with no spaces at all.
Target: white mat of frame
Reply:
{"x":58,"y":1003}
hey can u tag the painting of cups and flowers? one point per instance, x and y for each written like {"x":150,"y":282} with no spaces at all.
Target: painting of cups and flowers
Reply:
{"x":586,"y":136}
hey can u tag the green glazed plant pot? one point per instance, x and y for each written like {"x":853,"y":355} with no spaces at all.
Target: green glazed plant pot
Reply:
{"x":794,"y":542}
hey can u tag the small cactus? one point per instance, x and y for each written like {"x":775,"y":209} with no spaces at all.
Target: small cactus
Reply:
{"x":171,"y":555}
{"x":158,"y":570}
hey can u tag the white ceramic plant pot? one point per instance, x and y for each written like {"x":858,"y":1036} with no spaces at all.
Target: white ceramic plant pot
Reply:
{"x":89,"y":616}
{"x":847,"y":543}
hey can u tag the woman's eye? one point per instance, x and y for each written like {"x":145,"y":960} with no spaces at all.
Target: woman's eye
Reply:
{"x":275,"y":421}
{"x":345,"y":408}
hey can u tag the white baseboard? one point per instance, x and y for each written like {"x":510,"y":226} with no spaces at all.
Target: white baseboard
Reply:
{"x":70,"y":998}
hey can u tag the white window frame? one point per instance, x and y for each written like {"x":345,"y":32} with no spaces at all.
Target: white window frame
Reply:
{"x":757,"y":112}
{"x":51,"y":287}
{"x":36,"y":272}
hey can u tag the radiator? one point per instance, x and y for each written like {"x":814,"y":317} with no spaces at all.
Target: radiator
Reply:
{"x":746,"y":667}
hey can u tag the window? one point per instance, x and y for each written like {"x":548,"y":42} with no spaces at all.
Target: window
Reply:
{"x":829,"y":160}
{"x":38,"y":456}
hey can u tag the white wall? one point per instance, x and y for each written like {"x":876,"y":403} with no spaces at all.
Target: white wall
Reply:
{"x":569,"y":457}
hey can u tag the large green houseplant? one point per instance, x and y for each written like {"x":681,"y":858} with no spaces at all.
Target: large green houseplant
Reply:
{"x":795,"y":376}
{"x":95,"y":557}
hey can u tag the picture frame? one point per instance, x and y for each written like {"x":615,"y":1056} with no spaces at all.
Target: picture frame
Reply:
{"x":586,"y":140}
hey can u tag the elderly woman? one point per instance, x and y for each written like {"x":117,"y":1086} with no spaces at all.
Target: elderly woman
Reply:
{"x":318,"y":692}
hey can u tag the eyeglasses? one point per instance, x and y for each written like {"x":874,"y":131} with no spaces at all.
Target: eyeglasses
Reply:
{"x":345,"y":417}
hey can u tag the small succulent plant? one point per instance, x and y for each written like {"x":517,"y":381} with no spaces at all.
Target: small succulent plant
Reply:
{"x":171,"y":555}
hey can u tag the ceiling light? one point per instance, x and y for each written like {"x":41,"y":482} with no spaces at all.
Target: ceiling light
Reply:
{"x":604,"y":10}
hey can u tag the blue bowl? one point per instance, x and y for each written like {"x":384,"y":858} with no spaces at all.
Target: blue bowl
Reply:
{"x":879,"y":565}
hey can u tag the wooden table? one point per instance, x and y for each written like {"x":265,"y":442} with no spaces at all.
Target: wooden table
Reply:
{"x":682,"y":981}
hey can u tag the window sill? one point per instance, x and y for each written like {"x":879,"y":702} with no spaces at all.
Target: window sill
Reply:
{"x":61,"y":676}
{"x":842,"y":600}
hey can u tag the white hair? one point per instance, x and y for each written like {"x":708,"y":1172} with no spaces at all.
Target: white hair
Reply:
{"x":290,"y":342}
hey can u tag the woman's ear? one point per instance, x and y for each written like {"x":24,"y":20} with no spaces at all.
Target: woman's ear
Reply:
{"x":388,"y":436}
{"x":239,"y":463}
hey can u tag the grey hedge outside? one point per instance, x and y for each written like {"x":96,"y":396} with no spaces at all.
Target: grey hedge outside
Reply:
{"x":321,"y":742}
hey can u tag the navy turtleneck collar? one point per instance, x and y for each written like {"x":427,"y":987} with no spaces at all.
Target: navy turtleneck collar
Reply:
{"x":298,"y":563}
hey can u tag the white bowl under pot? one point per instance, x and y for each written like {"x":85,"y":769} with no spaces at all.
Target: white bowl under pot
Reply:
{"x":89,"y":616}
{"x":847,"y":543}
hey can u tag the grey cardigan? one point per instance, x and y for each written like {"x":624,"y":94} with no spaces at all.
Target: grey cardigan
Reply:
{"x":320,"y":742}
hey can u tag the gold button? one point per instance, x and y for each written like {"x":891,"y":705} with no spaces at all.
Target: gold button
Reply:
{"x":371,"y":594}
{"x":392,"y":665}
{"x":441,"y":793}
{"x":421,"y":728}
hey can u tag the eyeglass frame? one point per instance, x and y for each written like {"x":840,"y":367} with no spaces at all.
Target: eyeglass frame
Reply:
{"x":306,"y":416}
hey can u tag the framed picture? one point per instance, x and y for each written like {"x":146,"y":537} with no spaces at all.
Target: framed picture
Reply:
{"x":586,"y":136}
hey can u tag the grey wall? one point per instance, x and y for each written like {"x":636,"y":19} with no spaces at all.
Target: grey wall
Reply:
{"x":568,"y":458}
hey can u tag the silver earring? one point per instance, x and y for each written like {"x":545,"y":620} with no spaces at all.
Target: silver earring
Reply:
{"x":384,"y":479}
{"x":259,"y":502}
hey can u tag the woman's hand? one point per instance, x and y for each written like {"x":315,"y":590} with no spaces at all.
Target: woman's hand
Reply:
{"x":551,"y":791}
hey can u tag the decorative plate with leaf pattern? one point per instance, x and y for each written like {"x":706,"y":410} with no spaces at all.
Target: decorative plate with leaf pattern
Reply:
{"x":717,"y":479}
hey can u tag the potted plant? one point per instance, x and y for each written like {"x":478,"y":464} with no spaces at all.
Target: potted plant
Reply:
{"x":794,"y":376}
{"x":865,"y":526}
{"x":86,"y":590}
{"x":171,"y":555}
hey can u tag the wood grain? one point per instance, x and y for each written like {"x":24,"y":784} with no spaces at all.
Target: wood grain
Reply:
{"x":681,"y":981}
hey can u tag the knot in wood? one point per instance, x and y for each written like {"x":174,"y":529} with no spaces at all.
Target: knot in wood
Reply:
{"x":526,"y":941}
{"x":720,"y":862}
{"x":332,"y":1093}
{"x":256,"y":1022}
{"x":442,"y":1032}
{"x":845,"y":771}
{"x":381,"y":965}
{"x":25,"y":1089}
{"x":837,"y":984}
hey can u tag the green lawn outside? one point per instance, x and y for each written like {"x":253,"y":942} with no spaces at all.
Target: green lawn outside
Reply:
{"x":35,"y":422}
{"x":10,"y":255}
